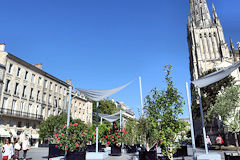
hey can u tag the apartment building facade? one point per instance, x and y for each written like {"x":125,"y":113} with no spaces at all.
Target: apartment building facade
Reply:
{"x":29,"y":95}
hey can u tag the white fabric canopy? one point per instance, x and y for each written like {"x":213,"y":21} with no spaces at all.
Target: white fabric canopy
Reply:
{"x":14,"y":134}
{"x":97,"y":95}
{"x":4,"y":133}
{"x":215,"y":76}
{"x":109,"y":118}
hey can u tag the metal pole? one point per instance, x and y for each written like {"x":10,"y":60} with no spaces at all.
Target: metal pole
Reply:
{"x":203,"y":125}
{"x":191,"y":120}
{"x":69,"y":105}
{"x":97,"y":129}
{"x":120,"y":120}
{"x":140,"y":85}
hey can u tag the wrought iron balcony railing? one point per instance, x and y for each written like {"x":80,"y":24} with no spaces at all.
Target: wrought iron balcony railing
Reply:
{"x":20,"y":114}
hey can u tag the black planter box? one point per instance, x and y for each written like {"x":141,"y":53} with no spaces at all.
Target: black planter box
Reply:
{"x":181,"y":152}
{"x":92,"y":148}
{"x":131,"y":149}
{"x":54,"y":151}
{"x":76,"y":155}
{"x":231,"y":157}
{"x":116,"y":151}
{"x":148,"y":155}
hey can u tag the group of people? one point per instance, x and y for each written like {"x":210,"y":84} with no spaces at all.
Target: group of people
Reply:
{"x":11,"y":151}
{"x":219,"y":141}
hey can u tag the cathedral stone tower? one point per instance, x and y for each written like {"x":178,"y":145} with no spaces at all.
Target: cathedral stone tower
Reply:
{"x":207,"y":46}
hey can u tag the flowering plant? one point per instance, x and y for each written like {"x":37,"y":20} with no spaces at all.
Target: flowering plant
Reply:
{"x":103,"y":130}
{"x":73,"y":138}
{"x":114,"y":136}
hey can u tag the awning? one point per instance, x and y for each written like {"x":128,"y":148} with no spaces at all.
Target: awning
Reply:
{"x":4,"y":133}
{"x":35,"y":136}
{"x":109,"y":118}
{"x":14,"y":134}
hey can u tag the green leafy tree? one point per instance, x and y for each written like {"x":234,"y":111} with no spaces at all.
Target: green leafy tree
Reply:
{"x":49,"y":127}
{"x":131,"y":127}
{"x":161,"y":123}
{"x":225,"y":107}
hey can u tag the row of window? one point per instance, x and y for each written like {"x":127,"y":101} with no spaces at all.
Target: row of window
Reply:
{"x":16,"y":92}
{"x":205,"y":35}
{"x":18,"y":124}
{"x":33,"y":77}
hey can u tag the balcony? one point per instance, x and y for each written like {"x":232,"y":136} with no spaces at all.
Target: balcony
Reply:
{"x":16,"y":94}
{"x":31,"y":98}
{"x":8,"y":92}
{"x":19,"y":114}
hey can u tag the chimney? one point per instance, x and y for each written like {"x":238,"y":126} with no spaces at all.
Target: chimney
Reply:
{"x":68,"y":81}
{"x":39,"y":65}
{"x":2,"y":47}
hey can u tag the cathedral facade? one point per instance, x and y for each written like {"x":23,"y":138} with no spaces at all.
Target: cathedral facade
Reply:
{"x":207,"y":45}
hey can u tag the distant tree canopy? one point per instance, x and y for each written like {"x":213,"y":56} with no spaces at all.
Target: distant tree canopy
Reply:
{"x":209,"y":93}
{"x":106,"y":107}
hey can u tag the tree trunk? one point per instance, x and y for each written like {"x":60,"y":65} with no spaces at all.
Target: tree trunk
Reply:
{"x":236,"y":141}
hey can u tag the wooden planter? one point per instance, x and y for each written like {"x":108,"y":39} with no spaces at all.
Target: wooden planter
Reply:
{"x":76,"y":155}
{"x":147,"y":155}
{"x":116,"y":151}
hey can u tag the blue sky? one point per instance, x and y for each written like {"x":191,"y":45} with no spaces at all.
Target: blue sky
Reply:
{"x":102,"y":44}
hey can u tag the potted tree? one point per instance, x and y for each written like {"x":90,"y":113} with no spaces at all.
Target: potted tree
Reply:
{"x":73,"y":140}
{"x":160,"y":124}
{"x":131,"y":139}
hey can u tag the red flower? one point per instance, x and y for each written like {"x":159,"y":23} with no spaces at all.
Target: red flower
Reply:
{"x":62,"y":134}
{"x":63,"y":149}
{"x":75,"y":124}
{"x":56,"y":146}
{"x":108,"y":142}
{"x":94,"y":134}
{"x":112,"y":136}
{"x":56,"y":135}
{"x":81,"y":134}
{"x":73,"y":137}
{"x":116,"y":133}
{"x":77,"y":145}
{"x":60,"y":144}
{"x":119,"y":145}
{"x":85,"y":134}
{"x":112,"y":139}
{"x":66,"y":146}
{"x":106,"y":136}
{"x":117,"y":130}
{"x":57,"y":139}
{"x":161,"y":142}
{"x":118,"y":136}
{"x":70,"y":124}
{"x":65,"y":126}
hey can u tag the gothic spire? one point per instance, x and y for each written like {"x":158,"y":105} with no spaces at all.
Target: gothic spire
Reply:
{"x":200,"y":13}
{"x":215,"y":16}
{"x":231,"y":44}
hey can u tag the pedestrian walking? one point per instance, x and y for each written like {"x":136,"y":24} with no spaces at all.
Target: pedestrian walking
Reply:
{"x":219,"y":141}
{"x":25,"y":147}
{"x":7,"y":150}
{"x":209,"y":143}
{"x":17,"y":148}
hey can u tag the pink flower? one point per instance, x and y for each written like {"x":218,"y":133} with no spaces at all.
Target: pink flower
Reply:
{"x":77,"y":145}
{"x":85,"y":134}
{"x":65,"y":126}
{"x":62,"y":134}
{"x":66,"y":146}
{"x":112,"y":139}
{"x":118,"y":136}
{"x":57,"y":139}
{"x":56,"y":146}
{"x":112,"y":136}
{"x":70,"y":124}
{"x":119,"y":145}
{"x":56,"y":135}
{"x":81,"y":134}
{"x":73,"y":137}
{"x":94,"y":134}
{"x":60,"y":144}
{"x":106,"y":136}
{"x":117,"y":130}
{"x":116,"y":133}
{"x":85,"y":130}
{"x":108,"y":142}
